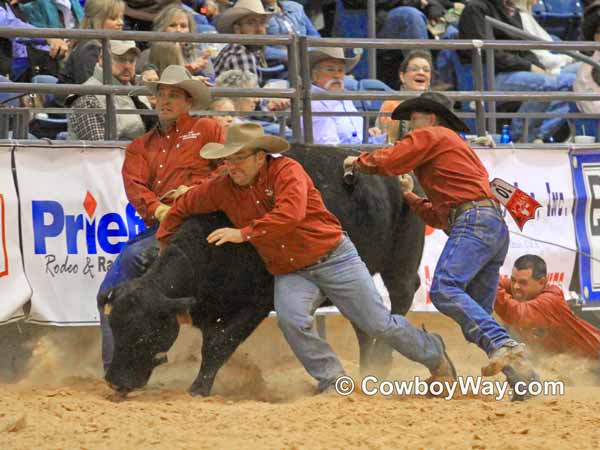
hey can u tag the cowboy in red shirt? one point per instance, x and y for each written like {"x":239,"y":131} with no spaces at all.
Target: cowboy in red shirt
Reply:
{"x":539,"y":313}
{"x":461,"y":203}
{"x":159,"y":166}
{"x":274,"y":205}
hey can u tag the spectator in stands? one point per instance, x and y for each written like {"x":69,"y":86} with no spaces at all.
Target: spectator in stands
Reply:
{"x":223,"y":104}
{"x":91,"y":127}
{"x":539,"y":314}
{"x":516,"y":70}
{"x":245,"y":17}
{"x":239,"y":79}
{"x":18,"y":58}
{"x":175,"y":19}
{"x":162,"y":55}
{"x":288,"y":18}
{"x":52,"y":13}
{"x":415,"y":75}
{"x":328,"y":69}
{"x":140,"y":14}
{"x":588,"y":78}
{"x":160,"y":166}
{"x":99,"y":15}
{"x":554,"y":63}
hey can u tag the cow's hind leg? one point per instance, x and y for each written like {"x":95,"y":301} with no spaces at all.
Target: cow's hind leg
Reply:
{"x":219,"y":341}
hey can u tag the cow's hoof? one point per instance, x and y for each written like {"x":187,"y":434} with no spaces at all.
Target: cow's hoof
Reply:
{"x":198,"y":392}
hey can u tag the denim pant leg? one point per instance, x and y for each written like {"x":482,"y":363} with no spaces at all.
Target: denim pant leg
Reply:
{"x":135,"y":257}
{"x":405,"y":22}
{"x":346,"y":281}
{"x":529,"y":81}
{"x":466,"y":279}
{"x":296,"y":300}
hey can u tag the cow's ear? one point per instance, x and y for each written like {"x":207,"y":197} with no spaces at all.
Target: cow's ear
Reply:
{"x":104,"y":301}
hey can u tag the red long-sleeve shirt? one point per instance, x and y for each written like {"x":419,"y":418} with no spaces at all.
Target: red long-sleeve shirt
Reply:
{"x":282,"y":214}
{"x":547,"y":322}
{"x":155,"y":163}
{"x":448,"y":169}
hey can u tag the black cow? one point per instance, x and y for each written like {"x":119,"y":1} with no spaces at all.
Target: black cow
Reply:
{"x":227,"y":290}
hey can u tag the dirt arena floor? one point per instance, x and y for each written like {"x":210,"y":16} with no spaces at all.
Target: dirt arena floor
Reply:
{"x":263,"y":399}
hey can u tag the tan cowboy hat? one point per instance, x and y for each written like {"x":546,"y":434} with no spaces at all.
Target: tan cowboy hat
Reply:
{"x":180,"y":77}
{"x":244,"y":136}
{"x":224,"y":21}
{"x":318,"y":54}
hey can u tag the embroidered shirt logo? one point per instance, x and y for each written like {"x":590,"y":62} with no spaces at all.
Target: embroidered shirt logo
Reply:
{"x":269,"y":192}
{"x":191,"y":135}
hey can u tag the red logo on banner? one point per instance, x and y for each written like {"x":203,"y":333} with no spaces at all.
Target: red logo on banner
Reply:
{"x":3,"y":272}
{"x":89,"y":204}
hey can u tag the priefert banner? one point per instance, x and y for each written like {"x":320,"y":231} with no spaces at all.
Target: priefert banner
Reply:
{"x":75,"y":220}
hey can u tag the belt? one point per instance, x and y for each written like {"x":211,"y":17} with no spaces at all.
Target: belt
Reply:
{"x":457,"y":210}
{"x":327,"y":255}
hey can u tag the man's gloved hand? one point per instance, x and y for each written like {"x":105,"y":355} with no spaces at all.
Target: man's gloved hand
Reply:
{"x":161,"y":212}
{"x":406,"y":182}
{"x":180,"y":191}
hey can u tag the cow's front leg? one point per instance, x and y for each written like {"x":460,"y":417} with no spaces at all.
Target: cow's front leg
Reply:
{"x":219,"y":343}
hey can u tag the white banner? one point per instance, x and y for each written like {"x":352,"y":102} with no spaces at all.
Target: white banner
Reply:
{"x":545,"y":175}
{"x":75,"y":219}
{"x":14,"y":289}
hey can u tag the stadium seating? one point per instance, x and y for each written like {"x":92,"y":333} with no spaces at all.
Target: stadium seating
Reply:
{"x":368,"y":84}
{"x":352,"y":23}
{"x":561,"y":18}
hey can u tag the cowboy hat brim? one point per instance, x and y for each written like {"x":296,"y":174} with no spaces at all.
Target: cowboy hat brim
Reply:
{"x":419,"y":104}
{"x":268,"y":144}
{"x":316,"y":56}
{"x":199,"y":92}
{"x":224,"y":21}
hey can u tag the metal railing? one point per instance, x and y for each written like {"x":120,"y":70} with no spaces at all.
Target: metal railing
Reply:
{"x":300,"y":93}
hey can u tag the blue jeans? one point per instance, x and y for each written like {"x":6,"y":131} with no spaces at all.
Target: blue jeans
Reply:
{"x":466,"y":276}
{"x":346,"y":281}
{"x":405,"y":22}
{"x":134,"y":259}
{"x":529,"y":81}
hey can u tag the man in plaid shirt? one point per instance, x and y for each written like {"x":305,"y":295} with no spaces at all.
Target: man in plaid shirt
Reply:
{"x":246,"y":17}
{"x":90,"y":127}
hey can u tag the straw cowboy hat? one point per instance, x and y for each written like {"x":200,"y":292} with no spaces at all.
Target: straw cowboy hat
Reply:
{"x":431,"y":102}
{"x":179,"y":76}
{"x":244,"y":136}
{"x":224,"y":21}
{"x":318,"y":54}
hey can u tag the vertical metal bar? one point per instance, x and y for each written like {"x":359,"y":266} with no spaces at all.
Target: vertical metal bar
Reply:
{"x":365,"y":139}
{"x":4,"y":124}
{"x":372,"y":27}
{"x":281,"y":120}
{"x":293,"y":56}
{"x":306,"y":94}
{"x":478,"y":82}
{"x":526,"y":130}
{"x":110,"y":129}
{"x":491,"y":78}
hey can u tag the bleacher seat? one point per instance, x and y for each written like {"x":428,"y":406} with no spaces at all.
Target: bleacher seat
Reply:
{"x":368,"y":84}
{"x":352,"y":23}
{"x":42,"y":125}
{"x":561,"y":18}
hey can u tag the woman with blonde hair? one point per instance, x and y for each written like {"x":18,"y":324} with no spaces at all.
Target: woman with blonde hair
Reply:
{"x":98,"y":15}
{"x":164,"y":54}
{"x":175,"y":19}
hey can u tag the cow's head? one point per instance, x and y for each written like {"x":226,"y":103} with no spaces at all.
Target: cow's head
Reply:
{"x":144,"y":324}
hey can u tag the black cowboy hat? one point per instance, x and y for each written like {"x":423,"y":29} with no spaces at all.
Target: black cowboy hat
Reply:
{"x":431,"y":102}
